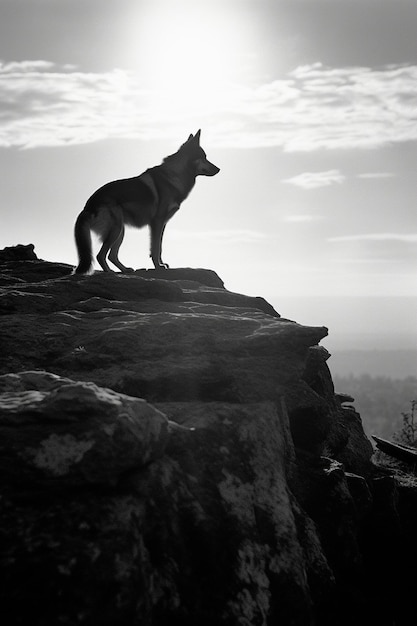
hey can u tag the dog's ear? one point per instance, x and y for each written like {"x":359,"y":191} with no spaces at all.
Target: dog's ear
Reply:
{"x":197,"y":135}
{"x":190,"y":137}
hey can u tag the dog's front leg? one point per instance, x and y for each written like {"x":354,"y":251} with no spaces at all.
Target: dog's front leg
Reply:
{"x":157,"y":231}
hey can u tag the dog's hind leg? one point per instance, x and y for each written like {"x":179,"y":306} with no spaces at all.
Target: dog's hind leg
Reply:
{"x":101,"y":256}
{"x":114,"y":251}
{"x":113,"y":237}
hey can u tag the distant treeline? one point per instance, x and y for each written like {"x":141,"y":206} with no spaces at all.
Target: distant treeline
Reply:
{"x":390,"y":363}
{"x":379,"y":400}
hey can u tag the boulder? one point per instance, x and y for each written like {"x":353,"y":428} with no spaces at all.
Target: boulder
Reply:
{"x":18,"y":253}
{"x":59,"y":433}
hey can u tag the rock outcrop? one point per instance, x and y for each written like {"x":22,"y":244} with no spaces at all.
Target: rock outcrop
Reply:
{"x":174,"y":453}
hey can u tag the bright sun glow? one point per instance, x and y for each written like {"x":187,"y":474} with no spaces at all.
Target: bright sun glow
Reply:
{"x":188,"y":54}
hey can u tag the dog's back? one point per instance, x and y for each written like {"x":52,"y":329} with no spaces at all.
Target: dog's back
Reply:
{"x":134,"y":197}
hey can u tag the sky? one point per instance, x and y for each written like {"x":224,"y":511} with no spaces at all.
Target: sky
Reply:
{"x":309,"y":107}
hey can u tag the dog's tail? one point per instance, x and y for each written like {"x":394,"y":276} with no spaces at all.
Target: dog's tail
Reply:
{"x":83,"y":242}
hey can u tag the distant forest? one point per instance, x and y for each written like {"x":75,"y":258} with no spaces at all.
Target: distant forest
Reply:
{"x":379,"y":400}
{"x":390,"y":363}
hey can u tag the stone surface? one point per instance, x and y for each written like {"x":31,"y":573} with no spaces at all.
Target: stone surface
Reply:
{"x":18,"y":253}
{"x":174,"y":453}
{"x":55,"y":431}
{"x":234,"y":528}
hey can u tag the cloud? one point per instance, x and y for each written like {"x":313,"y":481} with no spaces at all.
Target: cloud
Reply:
{"x":313,"y":107}
{"x":46,"y":105}
{"x":397,"y":249}
{"x":314,"y":180}
{"x":384,"y":237}
{"x":373,"y":175}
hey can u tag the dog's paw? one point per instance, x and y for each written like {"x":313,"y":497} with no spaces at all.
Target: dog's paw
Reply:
{"x":128,"y":270}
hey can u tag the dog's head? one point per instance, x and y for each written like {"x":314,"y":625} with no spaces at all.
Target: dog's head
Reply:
{"x":203,"y":167}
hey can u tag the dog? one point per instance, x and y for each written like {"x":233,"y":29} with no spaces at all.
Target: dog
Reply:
{"x":152,"y":199}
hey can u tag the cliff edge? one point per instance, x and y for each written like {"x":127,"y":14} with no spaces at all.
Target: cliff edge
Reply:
{"x":175,"y":453}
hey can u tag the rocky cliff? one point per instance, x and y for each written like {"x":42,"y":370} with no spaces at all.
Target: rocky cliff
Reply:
{"x":174,"y":453}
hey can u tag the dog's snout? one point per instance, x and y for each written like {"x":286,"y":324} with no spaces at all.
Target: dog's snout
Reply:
{"x":213,"y":169}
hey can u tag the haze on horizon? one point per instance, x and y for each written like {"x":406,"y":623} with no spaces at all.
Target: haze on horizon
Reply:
{"x":307,"y":106}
